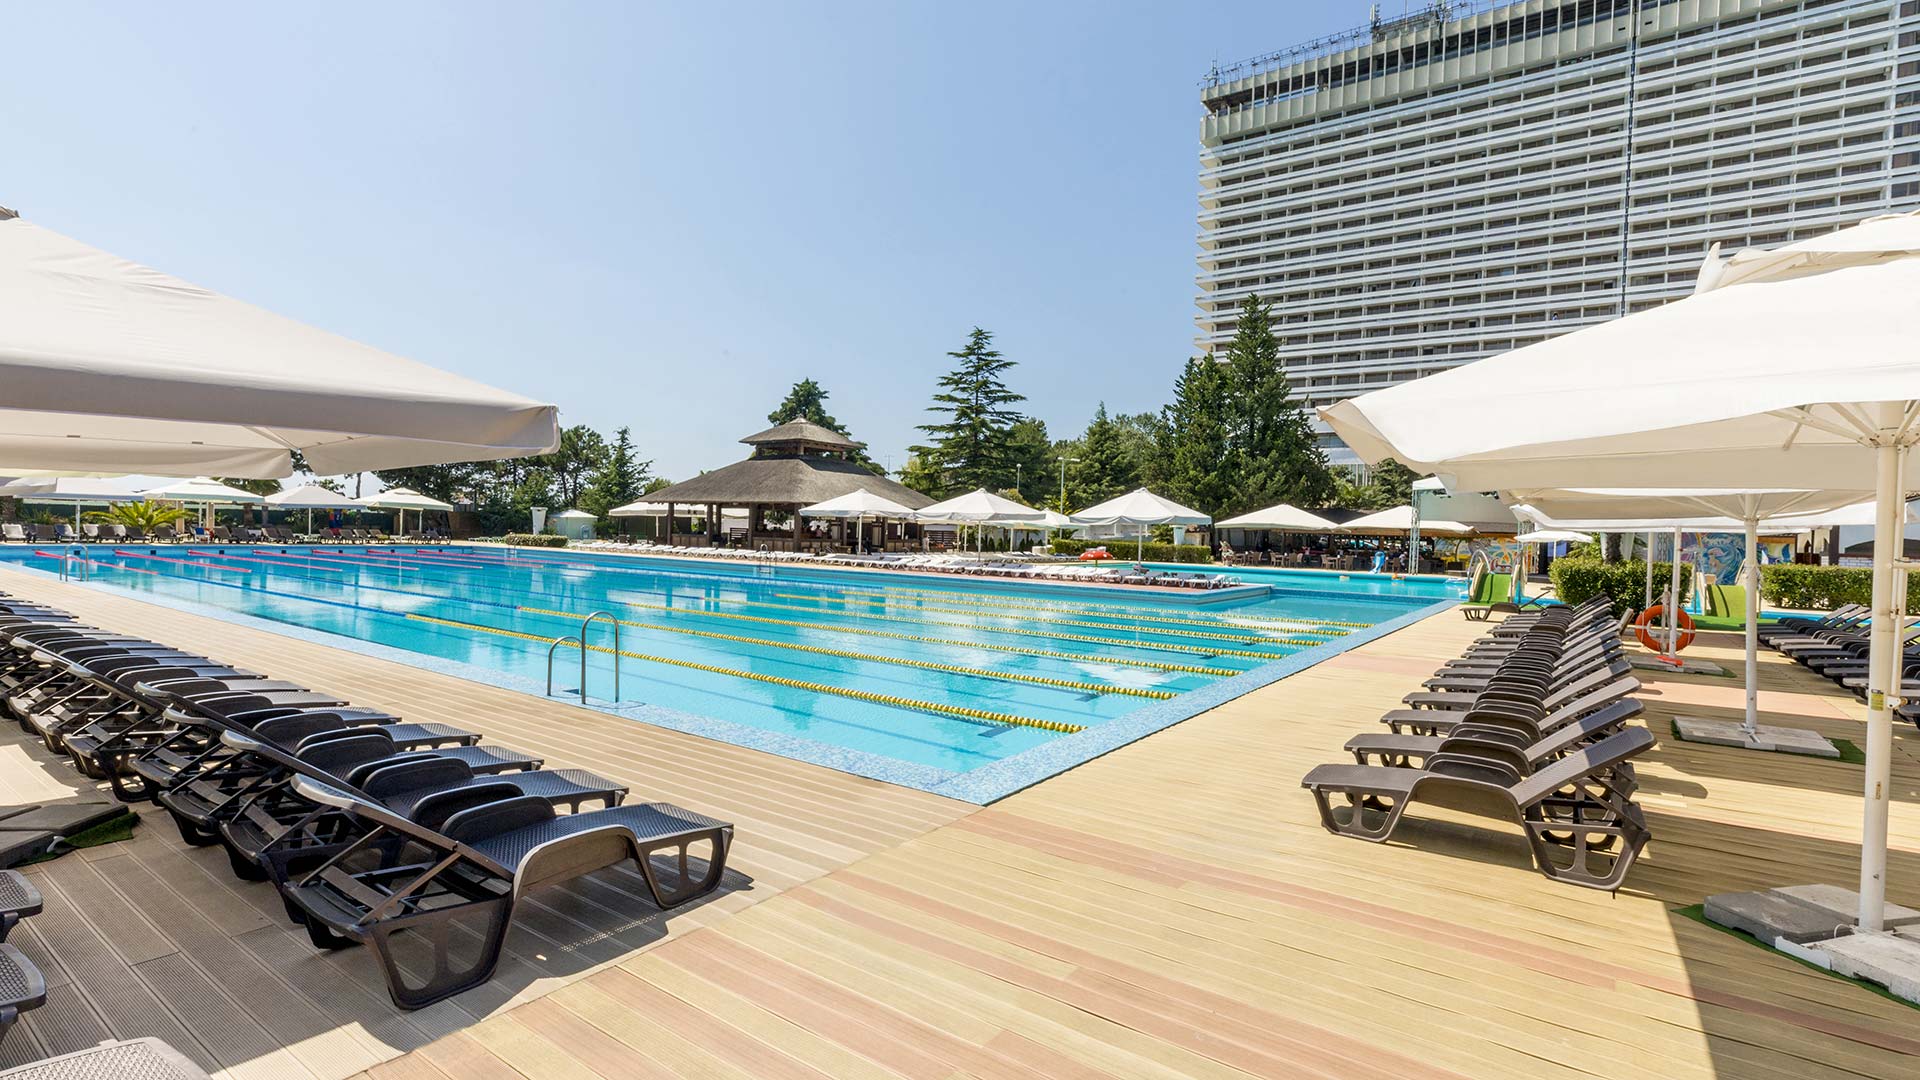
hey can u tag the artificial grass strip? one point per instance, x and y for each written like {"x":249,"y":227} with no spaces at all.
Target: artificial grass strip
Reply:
{"x":111,"y":831}
{"x":1698,"y":913}
{"x":1849,"y":753}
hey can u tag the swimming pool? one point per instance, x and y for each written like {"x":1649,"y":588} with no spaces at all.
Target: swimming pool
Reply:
{"x":916,"y":678}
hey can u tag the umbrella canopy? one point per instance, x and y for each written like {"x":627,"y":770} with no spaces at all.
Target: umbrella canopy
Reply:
{"x":980,"y":506}
{"x":1683,"y":506}
{"x":311,"y":497}
{"x":858,"y":504}
{"x":1280,"y":518}
{"x":1398,"y":520}
{"x":1554,"y":536}
{"x":110,"y":366}
{"x":659,"y":509}
{"x":68,"y":489}
{"x":404,"y":499}
{"x":1054,"y":519}
{"x":202,"y":490}
{"x":1794,"y":367}
{"x":1140,"y":507}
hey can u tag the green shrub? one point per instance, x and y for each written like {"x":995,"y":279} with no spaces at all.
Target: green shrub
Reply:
{"x":1123,"y":550}
{"x":1577,"y":580}
{"x":530,"y":540}
{"x":1823,"y":588}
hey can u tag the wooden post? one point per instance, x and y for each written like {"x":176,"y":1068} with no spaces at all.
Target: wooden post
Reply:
{"x":669,"y":525}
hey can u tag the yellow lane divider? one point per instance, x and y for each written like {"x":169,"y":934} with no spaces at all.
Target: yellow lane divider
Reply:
{"x":867,"y":631}
{"x":1088,"y":606}
{"x":1259,"y":639}
{"x":961,"y":711}
{"x":848,"y":654}
{"x":1303,"y":626}
{"x":1161,"y":646}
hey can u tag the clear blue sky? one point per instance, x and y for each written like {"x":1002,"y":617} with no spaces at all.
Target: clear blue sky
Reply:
{"x":659,"y":216}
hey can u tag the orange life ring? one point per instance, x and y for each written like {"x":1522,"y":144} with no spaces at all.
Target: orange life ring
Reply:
{"x":1646,"y":622}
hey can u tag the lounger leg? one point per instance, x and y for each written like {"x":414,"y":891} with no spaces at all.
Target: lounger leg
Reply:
{"x":686,"y":888}
{"x":1353,"y":818}
{"x":437,"y":930}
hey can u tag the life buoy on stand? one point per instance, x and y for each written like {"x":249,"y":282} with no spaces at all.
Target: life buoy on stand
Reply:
{"x":1647,"y":629}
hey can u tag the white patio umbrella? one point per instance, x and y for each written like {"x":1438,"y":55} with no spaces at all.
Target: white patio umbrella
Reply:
{"x":114,"y":367}
{"x":980,"y":507}
{"x":78,"y":490}
{"x":858,"y":505}
{"x":1279,"y":518}
{"x":1796,"y":367}
{"x":1397,"y":520}
{"x":311,"y":497}
{"x":1140,"y":508}
{"x":402,"y":500}
{"x":202,"y":492}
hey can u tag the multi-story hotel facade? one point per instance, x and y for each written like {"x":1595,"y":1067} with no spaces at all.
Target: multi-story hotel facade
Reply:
{"x":1440,"y":186}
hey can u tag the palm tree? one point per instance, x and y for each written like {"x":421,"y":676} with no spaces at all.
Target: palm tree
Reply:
{"x":145,"y":516}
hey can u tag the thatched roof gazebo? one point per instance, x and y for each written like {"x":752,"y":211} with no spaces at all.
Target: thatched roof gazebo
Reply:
{"x":795,"y":464}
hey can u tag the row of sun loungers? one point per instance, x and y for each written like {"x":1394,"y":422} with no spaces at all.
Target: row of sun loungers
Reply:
{"x":17,"y":533}
{"x":1836,"y":647}
{"x":415,"y":840}
{"x":1529,"y":724}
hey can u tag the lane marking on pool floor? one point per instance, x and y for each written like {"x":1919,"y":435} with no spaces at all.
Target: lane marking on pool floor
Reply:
{"x":848,"y":654}
{"x":1298,"y":623}
{"x":1248,"y":639}
{"x":961,"y":711}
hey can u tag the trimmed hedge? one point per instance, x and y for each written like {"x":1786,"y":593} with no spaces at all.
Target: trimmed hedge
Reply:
{"x":1577,"y":580}
{"x":1123,"y":550}
{"x":1823,"y":588}
{"x":530,"y":540}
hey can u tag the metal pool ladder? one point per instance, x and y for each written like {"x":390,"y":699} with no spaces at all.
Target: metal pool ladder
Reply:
{"x":580,"y":641}
{"x":67,"y":561}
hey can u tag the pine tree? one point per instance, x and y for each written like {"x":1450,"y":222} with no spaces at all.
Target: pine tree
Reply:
{"x":620,"y":479}
{"x":1272,"y":436}
{"x":1202,"y":470}
{"x":972,"y":445}
{"x":1107,"y":464}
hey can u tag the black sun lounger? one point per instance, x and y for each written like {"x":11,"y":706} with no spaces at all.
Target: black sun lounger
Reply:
{"x":275,"y":830}
{"x":408,"y":892}
{"x":21,"y":987}
{"x":133,"y":1059}
{"x":1582,"y":828}
{"x":18,"y":899}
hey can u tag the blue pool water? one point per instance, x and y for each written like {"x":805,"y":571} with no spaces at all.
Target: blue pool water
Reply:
{"x":943,"y":673}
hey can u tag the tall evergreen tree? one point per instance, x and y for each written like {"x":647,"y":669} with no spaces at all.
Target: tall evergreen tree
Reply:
{"x":1107,"y":464}
{"x":971,"y":445}
{"x":1032,"y":453}
{"x":1272,"y":435}
{"x":619,"y":480}
{"x":582,"y":453}
{"x":1202,"y":469}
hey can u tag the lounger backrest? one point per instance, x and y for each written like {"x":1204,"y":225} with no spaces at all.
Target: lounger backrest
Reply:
{"x":295,"y":728}
{"x":346,"y":799}
{"x":436,"y":810}
{"x":494,"y":818}
{"x":413,"y":774}
{"x":1566,"y":735}
{"x":1580,"y":764}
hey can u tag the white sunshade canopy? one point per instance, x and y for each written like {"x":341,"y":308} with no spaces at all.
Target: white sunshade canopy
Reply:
{"x":1796,"y":367}
{"x":1399,"y":519}
{"x":1140,"y":507}
{"x":113,"y":367}
{"x":981,"y":507}
{"x":1281,"y":518}
{"x":573,"y":515}
{"x":311,"y":497}
{"x":1680,"y":506}
{"x":202,"y":490}
{"x":73,"y":489}
{"x":1054,"y":519}
{"x":659,"y":510}
{"x":1554,"y":536}
{"x":858,"y":504}
{"x":404,"y":499}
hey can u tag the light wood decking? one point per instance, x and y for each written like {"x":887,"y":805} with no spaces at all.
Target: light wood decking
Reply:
{"x":1171,"y":909}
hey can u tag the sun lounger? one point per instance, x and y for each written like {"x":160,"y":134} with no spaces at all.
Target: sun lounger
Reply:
{"x":21,"y":987}
{"x":1581,"y":827}
{"x":18,"y":900}
{"x":133,"y":1059}
{"x":406,"y":884}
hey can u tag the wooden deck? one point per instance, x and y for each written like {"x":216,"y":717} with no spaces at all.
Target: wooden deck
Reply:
{"x":1170,"y":909}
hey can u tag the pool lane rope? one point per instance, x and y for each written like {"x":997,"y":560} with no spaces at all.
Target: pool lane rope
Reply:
{"x":1251,"y":639}
{"x":1295,"y":624}
{"x":849,"y":654}
{"x":961,"y":711}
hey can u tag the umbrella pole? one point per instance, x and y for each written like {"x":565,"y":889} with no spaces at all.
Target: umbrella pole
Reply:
{"x":1752,"y":574}
{"x":1673,"y":599}
{"x":1648,"y":602}
{"x":1882,"y":671}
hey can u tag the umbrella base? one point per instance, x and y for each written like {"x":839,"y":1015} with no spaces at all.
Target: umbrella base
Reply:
{"x":1765,"y":737}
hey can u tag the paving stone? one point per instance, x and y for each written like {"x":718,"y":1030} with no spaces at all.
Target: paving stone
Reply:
{"x":1766,"y":737}
{"x":1769,"y":916}
{"x":1844,"y":904}
{"x":1892,"y":960}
